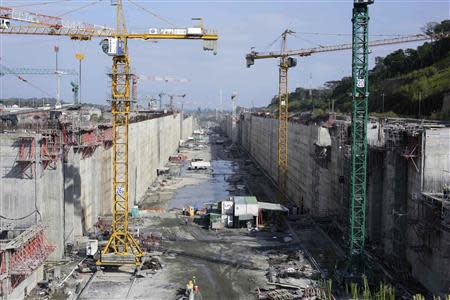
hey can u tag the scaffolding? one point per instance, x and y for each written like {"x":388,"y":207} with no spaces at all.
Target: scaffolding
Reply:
{"x":50,"y":149}
{"x":412,"y":150}
{"x":21,"y":256}
{"x":106,"y":136}
{"x":26,"y":156}
{"x":88,"y":141}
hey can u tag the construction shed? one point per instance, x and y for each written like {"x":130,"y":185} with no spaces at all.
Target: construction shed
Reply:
{"x":269,"y":211}
{"x":245,"y":210}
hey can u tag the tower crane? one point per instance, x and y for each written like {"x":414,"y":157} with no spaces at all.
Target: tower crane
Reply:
{"x":360,"y":47}
{"x":360,"y":97}
{"x":135,"y":78}
{"x":121,"y":248}
{"x":40,"y":71}
{"x":286,"y":62}
{"x":35,"y":71}
{"x":75,"y":90}
{"x":171,"y":99}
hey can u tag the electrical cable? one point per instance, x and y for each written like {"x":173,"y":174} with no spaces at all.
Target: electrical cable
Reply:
{"x":152,"y":13}
{"x":20,"y":218}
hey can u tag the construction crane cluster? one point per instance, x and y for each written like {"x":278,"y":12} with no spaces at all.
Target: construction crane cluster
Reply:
{"x":360,"y":48}
{"x":171,"y":99}
{"x":121,"y":248}
{"x":20,"y":71}
{"x":135,"y":78}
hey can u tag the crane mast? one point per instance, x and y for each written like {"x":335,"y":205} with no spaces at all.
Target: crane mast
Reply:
{"x":121,"y":246}
{"x":286,"y":62}
{"x":283,"y":118}
{"x":360,"y":95}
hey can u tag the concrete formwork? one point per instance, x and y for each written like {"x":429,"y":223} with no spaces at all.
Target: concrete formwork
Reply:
{"x":29,"y":192}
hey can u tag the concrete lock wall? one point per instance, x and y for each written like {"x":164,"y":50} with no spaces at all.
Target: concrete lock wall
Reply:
{"x":318,"y":181}
{"x":70,"y":197}
{"x":30,"y":192}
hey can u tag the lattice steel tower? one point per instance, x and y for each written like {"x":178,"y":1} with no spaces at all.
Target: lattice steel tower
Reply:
{"x":286,"y":62}
{"x":360,"y":93}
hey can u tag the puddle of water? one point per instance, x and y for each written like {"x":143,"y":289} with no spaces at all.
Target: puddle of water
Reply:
{"x":212,"y":190}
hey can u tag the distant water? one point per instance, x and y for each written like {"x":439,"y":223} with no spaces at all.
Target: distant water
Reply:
{"x":212,"y":190}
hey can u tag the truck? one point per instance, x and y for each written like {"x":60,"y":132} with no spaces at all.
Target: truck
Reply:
{"x":199,"y":165}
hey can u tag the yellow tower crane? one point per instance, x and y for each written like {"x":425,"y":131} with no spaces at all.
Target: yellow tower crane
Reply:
{"x":121,"y":248}
{"x":286,"y":62}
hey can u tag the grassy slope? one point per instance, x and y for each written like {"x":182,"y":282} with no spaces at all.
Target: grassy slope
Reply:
{"x":401,"y":93}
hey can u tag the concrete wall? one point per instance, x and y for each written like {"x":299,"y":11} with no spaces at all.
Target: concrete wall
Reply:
{"x":318,"y":179}
{"x":27,"y":285}
{"x":30,"y":193}
{"x":70,"y":197}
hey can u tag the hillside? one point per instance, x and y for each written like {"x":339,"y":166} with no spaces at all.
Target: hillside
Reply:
{"x":404,"y":83}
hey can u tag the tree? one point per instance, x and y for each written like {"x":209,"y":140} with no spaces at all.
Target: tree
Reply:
{"x":429,"y":28}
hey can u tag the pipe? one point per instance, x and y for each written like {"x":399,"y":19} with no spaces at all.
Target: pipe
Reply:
{"x":71,"y":272}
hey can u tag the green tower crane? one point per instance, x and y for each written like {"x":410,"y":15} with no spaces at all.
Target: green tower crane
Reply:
{"x":360,"y":91}
{"x":75,"y":89}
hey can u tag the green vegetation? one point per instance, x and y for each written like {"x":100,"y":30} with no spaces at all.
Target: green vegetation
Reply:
{"x":383,"y":292}
{"x":365,"y":291}
{"x":409,"y":82}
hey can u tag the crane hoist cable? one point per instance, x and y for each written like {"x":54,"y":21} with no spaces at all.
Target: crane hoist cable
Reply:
{"x":37,"y":4}
{"x":349,"y":34}
{"x":80,"y":8}
{"x":152,"y":13}
{"x":273,"y":42}
{"x":21,"y":78}
{"x":32,"y":85}
{"x":307,"y":40}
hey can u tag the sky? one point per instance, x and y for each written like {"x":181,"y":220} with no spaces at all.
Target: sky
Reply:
{"x":240,"y":25}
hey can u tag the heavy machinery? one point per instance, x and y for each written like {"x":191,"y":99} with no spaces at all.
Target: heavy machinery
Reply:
{"x":360,"y":48}
{"x":121,"y":248}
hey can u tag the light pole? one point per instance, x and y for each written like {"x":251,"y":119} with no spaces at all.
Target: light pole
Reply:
{"x":420,"y":100}
{"x":233,"y":117}
{"x":58,"y":78}
{"x":80,"y":57}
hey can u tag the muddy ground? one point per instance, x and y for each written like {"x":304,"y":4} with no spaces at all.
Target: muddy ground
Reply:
{"x":228,"y":263}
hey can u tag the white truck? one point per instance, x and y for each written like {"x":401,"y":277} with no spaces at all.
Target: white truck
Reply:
{"x":199,"y":165}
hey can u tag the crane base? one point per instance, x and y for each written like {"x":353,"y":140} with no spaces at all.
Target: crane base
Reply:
{"x":112,"y":259}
